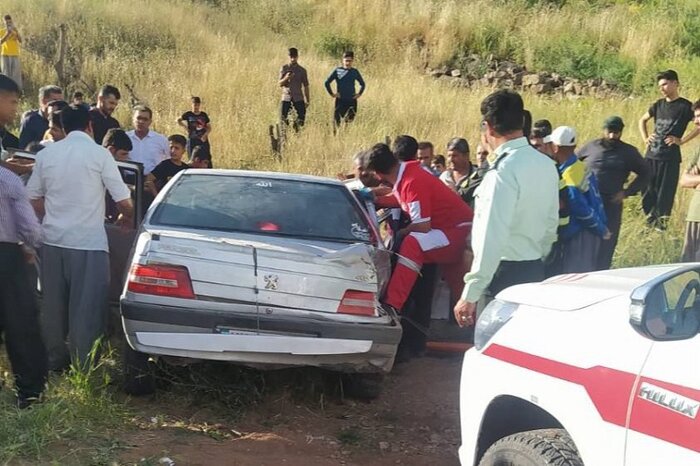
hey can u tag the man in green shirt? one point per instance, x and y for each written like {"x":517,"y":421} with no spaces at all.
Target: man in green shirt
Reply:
{"x":691,"y":180}
{"x":517,"y":208}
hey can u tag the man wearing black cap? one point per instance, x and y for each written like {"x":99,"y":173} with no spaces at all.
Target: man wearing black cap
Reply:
{"x":540,"y":130}
{"x":295,"y":89}
{"x":346,"y":94}
{"x":671,"y":116}
{"x":612,"y":161}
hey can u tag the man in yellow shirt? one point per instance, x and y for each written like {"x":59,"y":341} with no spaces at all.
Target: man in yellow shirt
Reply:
{"x":9,"y":51}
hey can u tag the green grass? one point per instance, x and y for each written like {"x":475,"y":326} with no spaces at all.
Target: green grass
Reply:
{"x":229,"y":52}
{"x":74,"y":423}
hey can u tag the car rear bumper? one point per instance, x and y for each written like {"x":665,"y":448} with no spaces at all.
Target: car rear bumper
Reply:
{"x":264,"y":341}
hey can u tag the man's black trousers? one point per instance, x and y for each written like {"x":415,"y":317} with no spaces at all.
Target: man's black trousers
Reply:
{"x":661,"y":191}
{"x":299,"y":108}
{"x":613,"y":210}
{"x":19,"y":317}
{"x":510,"y":273}
{"x":345,"y":110}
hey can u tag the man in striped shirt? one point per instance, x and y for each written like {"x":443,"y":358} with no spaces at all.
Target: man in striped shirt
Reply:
{"x":19,"y":315}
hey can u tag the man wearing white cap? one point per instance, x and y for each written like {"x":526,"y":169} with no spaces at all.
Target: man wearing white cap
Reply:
{"x":581,"y":238}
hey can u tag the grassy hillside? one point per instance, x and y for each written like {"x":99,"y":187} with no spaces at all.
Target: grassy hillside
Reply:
{"x":229,"y":52}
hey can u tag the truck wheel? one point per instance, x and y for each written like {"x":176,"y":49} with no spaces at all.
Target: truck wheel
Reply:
{"x":545,"y":447}
{"x":362,"y":386}
{"x":139,"y":377}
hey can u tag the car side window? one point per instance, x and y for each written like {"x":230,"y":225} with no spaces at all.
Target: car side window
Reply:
{"x":674,"y":307}
{"x":130,"y":177}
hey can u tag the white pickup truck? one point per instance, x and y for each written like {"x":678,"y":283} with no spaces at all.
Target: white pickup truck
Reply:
{"x":596,"y":369}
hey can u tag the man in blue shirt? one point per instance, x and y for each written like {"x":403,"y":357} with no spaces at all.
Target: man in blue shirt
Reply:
{"x":346,"y":95}
{"x":581,"y":237}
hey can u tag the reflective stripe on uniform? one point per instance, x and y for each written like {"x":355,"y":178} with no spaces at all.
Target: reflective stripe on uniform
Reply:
{"x":406,"y":262}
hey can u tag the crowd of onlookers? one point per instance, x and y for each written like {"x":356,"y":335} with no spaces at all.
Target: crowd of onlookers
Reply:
{"x":68,"y":154}
{"x":534,"y":203}
{"x":543,"y":204}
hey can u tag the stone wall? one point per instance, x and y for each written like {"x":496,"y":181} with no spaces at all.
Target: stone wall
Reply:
{"x":479,"y":73}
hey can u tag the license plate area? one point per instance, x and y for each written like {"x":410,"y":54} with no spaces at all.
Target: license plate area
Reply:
{"x":219,"y":330}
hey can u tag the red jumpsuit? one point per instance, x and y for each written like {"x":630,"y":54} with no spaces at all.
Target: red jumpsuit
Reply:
{"x":425,"y":198}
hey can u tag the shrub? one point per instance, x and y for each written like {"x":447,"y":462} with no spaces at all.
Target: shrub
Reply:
{"x":577,"y":58}
{"x":689,"y":32}
{"x":333,"y":45}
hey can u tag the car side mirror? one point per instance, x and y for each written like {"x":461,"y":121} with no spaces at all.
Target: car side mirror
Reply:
{"x":668,"y":307}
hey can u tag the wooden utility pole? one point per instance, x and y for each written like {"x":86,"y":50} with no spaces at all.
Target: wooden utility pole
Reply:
{"x":60,"y":65}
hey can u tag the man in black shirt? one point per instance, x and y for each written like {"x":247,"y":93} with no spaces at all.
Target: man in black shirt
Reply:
{"x":198,"y":126}
{"x":671,"y":117}
{"x":159,"y":177}
{"x":612,"y":161}
{"x":101,"y":115}
{"x":35,"y":122}
{"x":7,"y":139}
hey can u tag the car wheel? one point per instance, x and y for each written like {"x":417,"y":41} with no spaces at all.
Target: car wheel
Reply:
{"x":363,"y":386}
{"x":546,"y":447}
{"x":139,"y":377}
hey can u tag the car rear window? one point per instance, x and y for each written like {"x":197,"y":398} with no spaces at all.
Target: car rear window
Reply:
{"x":263,"y":206}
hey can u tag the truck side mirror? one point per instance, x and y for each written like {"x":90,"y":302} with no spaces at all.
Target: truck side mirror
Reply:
{"x":668,"y":307}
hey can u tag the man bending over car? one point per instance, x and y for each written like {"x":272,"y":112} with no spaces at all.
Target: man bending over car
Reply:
{"x":439,"y":228}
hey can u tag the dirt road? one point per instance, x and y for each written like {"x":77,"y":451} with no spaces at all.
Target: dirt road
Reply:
{"x":414,"y":422}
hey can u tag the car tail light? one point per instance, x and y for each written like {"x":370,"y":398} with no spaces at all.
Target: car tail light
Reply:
{"x":161,"y":280}
{"x":360,"y":303}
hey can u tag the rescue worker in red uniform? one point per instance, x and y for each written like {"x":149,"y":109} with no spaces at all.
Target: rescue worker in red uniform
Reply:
{"x":439,"y":228}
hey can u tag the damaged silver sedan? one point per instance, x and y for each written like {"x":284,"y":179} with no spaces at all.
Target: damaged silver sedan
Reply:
{"x":262,"y":269}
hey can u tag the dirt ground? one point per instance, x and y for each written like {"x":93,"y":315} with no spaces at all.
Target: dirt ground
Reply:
{"x":414,"y":422}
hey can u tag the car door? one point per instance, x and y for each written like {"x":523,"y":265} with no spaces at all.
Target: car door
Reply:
{"x":664,"y":423}
{"x":121,"y":238}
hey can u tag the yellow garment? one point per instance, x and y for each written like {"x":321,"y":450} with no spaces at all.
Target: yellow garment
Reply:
{"x":10,"y":48}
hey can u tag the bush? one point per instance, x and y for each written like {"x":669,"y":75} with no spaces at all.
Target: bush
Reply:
{"x":689,"y":32}
{"x":579,"y":59}
{"x":333,"y":45}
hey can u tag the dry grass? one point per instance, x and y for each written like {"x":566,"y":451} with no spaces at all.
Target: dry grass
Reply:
{"x":170,"y":50}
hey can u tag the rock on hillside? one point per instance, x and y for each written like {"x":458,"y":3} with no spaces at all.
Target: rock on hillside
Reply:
{"x":511,"y":75}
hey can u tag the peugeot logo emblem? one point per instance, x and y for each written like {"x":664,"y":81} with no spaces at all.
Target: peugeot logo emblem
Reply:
{"x":271,"y":282}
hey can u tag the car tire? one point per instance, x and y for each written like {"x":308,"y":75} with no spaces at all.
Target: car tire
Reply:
{"x":363,"y":386}
{"x":546,"y":447}
{"x":139,"y":376}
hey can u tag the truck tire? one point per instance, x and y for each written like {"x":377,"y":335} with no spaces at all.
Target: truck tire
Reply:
{"x":139,"y":376}
{"x":545,"y":447}
{"x":362,"y":386}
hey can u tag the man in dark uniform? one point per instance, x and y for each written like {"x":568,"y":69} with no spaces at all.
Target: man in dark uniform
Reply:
{"x":612,"y":161}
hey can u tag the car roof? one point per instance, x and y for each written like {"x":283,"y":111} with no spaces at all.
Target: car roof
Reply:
{"x":259,"y":174}
{"x":575,"y":291}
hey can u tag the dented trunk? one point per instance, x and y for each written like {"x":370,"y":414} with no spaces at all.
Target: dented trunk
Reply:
{"x":272,"y":273}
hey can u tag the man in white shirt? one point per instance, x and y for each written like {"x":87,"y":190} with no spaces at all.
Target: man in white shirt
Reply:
{"x":67,"y":190}
{"x":149,"y":148}
{"x":517,"y":207}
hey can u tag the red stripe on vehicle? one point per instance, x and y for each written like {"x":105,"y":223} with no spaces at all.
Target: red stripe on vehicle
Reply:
{"x":610,"y":389}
